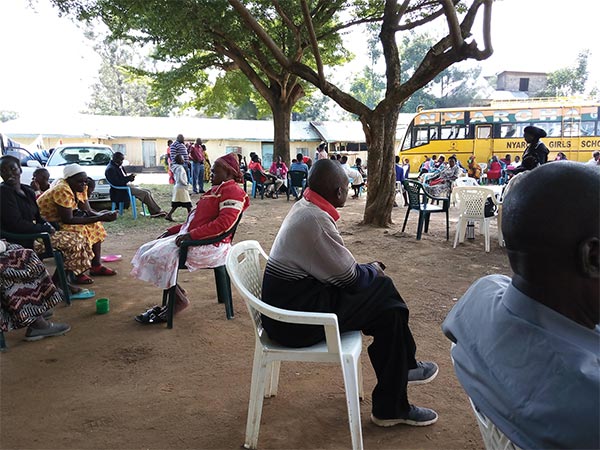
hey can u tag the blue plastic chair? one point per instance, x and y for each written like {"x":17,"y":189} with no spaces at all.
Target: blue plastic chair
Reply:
{"x":131,"y":201}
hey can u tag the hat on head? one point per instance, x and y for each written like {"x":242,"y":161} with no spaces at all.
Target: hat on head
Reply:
{"x":535,"y":132}
{"x":230,"y":163}
{"x":72,"y":169}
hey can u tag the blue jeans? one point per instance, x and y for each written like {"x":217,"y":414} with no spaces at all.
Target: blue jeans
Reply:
{"x":197,"y":177}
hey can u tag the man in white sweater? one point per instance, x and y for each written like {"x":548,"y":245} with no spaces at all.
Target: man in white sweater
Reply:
{"x":318,"y":273}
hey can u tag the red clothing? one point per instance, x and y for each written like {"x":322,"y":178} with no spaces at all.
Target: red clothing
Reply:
{"x":196,"y":153}
{"x":279,"y":172}
{"x":217,"y":211}
{"x":494,"y":171}
{"x":256,"y":166}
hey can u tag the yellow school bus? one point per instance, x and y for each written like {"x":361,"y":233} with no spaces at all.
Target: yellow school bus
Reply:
{"x":572,"y":127}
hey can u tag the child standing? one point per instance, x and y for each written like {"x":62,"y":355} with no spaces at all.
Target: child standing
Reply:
{"x":181,"y":196}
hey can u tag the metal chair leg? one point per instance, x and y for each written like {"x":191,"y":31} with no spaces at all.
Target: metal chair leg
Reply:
{"x":2,"y":342}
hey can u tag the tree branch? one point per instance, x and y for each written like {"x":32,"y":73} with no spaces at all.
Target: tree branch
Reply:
{"x":264,"y":37}
{"x":313,"y":40}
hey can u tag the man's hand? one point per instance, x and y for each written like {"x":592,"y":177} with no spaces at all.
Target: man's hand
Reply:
{"x":181,"y":238}
{"x":131,"y":177}
{"x":109,"y":216}
{"x":380,"y":267}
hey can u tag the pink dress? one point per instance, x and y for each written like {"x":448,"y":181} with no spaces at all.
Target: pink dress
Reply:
{"x":157,"y":261}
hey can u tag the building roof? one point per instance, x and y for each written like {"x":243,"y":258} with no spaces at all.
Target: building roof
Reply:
{"x":106,"y":127}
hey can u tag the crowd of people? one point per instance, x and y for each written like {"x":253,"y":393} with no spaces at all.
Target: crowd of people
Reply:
{"x":550,"y":302}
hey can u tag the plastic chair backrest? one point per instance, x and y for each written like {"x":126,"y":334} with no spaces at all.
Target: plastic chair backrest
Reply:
{"x":466,"y":181}
{"x":244,"y":268}
{"x":256,"y":176}
{"x":493,"y":438}
{"x":483,"y":166}
{"x":413,"y":188}
{"x":471,"y":200}
{"x":296,"y":177}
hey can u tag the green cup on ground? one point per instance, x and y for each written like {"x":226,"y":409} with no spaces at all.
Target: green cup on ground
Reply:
{"x":102,"y":306}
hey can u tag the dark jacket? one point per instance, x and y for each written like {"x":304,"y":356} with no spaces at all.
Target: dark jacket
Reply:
{"x":116,"y":177}
{"x":20,"y":213}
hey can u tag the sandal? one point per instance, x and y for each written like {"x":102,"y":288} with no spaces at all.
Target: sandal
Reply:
{"x":153,"y":315}
{"x":83,"y":294}
{"x":102,"y":271}
{"x":82,"y":279}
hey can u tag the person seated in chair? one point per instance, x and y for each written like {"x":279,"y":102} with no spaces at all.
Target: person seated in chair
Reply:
{"x":301,"y":166}
{"x":494,"y":172}
{"x":115,"y":174}
{"x":354,"y":176}
{"x":323,"y":276}
{"x":271,"y":182}
{"x":440,"y":183}
{"x":280,"y":170}
{"x":27,"y":294}
{"x":216,"y":212}
{"x":527,"y":348}
{"x":20,"y":214}
{"x":66,"y":203}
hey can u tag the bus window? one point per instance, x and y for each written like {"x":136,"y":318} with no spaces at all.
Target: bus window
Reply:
{"x":420,"y":136}
{"x":484,"y":132}
{"x":407,"y":136}
{"x":453,"y":132}
{"x":588,"y":128}
{"x":508,"y":131}
{"x":552,"y":129}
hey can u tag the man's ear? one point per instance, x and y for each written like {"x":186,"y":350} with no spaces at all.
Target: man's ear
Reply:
{"x":589,"y":257}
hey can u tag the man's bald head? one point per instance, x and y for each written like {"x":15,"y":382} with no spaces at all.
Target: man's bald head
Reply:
{"x":328,"y":179}
{"x":551,"y":225}
{"x":554,"y":206}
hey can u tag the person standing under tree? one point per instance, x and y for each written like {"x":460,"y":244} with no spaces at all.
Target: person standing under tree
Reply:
{"x":197,"y":158}
{"x":181,"y":196}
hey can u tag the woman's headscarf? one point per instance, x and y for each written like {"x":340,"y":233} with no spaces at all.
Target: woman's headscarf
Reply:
{"x":230,"y":163}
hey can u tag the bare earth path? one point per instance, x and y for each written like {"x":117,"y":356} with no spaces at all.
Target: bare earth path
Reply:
{"x":114,"y":384}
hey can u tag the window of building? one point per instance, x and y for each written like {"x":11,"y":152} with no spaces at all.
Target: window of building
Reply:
{"x":524,"y":84}
{"x":303,"y":150}
{"x":233,"y":149}
{"x":119,"y":148}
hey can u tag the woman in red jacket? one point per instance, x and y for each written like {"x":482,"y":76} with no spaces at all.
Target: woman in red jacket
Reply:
{"x":216,"y":212}
{"x":495,"y":171}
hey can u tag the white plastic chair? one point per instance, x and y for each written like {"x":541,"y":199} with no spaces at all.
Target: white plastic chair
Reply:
{"x":483,"y":175}
{"x":493,"y":438}
{"x":471,"y":204}
{"x":462,"y":181}
{"x":244,"y":267}
{"x":466,"y":181}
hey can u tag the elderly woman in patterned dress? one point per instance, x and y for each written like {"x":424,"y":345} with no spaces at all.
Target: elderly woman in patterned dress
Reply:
{"x":440,"y":185}
{"x":21,"y":215}
{"x":27,"y":294}
{"x":67,"y":203}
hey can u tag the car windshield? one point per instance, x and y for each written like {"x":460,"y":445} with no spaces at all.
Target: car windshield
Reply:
{"x":85,"y":156}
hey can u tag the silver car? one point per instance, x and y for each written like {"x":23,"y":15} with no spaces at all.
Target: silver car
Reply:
{"x":92,"y":157}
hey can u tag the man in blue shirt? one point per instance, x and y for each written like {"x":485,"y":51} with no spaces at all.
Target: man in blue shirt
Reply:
{"x":400,"y":179}
{"x":527,"y":349}
{"x":300,"y":166}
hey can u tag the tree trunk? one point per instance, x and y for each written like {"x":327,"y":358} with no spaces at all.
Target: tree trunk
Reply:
{"x":282,"y":115}
{"x":380,"y":128}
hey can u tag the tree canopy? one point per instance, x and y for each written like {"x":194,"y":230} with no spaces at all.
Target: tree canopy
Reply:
{"x":392,"y":17}
{"x":196,"y":36}
{"x":568,"y":80}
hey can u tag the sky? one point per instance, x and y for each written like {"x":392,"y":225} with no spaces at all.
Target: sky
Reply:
{"x":49,"y":66}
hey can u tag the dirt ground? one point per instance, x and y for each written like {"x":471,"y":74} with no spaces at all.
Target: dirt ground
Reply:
{"x":112,"y":383}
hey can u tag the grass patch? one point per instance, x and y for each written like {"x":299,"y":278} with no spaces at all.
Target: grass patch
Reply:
{"x":125,"y":223}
